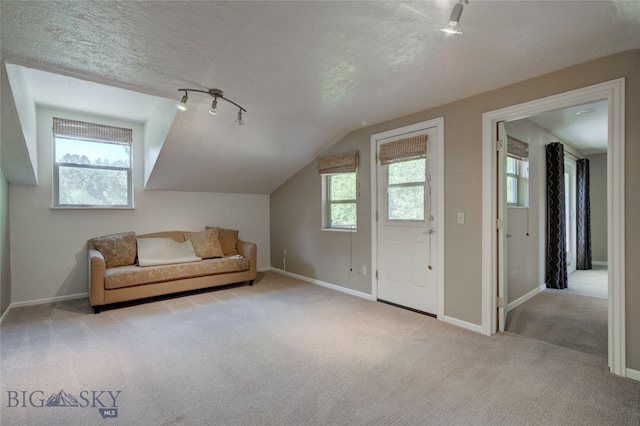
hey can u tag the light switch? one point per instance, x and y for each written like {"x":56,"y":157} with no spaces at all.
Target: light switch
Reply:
{"x":460,"y":218}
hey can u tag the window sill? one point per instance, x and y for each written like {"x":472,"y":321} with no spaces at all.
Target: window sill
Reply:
{"x":90,"y":208}
{"x":353,"y":231}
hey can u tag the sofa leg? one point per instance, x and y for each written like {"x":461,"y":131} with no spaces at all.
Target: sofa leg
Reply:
{"x":250,"y":283}
{"x":96,"y":309}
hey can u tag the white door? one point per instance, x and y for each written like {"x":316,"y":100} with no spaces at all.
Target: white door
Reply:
{"x":407,"y":251}
{"x":502,"y":226}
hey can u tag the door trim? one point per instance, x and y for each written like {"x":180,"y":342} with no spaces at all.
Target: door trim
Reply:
{"x":438,"y":123}
{"x":613,"y":91}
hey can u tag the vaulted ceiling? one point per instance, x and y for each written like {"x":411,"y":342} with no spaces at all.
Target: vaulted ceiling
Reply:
{"x":307,"y":72}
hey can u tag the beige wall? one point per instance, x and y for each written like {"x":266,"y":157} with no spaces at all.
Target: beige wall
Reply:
{"x":295,"y":206}
{"x":48,"y":246}
{"x":5,"y":275}
{"x":526,"y":253}
{"x":598,"y":198}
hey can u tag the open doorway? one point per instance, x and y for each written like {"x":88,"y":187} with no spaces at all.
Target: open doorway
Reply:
{"x":576,"y":316}
{"x":494,"y":234}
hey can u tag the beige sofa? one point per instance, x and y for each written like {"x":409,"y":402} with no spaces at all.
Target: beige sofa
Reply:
{"x":115,"y":275}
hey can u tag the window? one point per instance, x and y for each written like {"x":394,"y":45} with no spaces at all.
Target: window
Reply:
{"x":91,"y":165}
{"x":405,"y":190}
{"x":339,"y":191}
{"x":517,"y":171}
{"x":341,"y":201}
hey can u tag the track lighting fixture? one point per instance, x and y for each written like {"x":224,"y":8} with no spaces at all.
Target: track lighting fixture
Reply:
{"x":453,"y":26}
{"x":216,"y":94}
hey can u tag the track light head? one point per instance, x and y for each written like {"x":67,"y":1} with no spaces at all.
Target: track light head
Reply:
{"x":239,"y":121}
{"x":453,"y":26}
{"x":214,"y":107}
{"x":182,"y":106}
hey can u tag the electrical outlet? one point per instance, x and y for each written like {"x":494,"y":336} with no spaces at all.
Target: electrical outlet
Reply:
{"x":285,"y":252}
{"x":460,"y":218}
{"x":364,"y":270}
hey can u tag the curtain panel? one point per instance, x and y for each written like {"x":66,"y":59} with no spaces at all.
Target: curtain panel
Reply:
{"x":556,"y":276}
{"x":341,"y":163}
{"x":403,"y":150}
{"x":583,"y":216}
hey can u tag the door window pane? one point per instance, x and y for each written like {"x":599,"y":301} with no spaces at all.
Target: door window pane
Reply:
{"x":406,"y":190}
{"x":407,"y":171}
{"x":406,"y":203}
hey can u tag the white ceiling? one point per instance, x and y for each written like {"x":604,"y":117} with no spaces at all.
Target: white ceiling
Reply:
{"x":585,"y":127}
{"x":307,"y":72}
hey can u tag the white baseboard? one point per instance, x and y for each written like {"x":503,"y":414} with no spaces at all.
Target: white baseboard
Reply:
{"x":450,"y":320}
{"x":41,"y":302}
{"x":519,"y":301}
{"x":48,"y":300}
{"x":325,"y":284}
{"x":265,"y":269}
{"x":633,"y":374}
{"x":463,"y":324}
{"x":5,"y":314}
{"x":599,"y":263}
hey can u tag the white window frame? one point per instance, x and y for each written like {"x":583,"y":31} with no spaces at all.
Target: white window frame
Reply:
{"x":56,"y":178}
{"x":424,"y":184}
{"x":327,"y":203}
{"x":522,"y":182}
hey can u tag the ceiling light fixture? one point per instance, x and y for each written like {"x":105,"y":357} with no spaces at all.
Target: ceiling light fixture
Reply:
{"x":216,"y":94}
{"x":453,"y":26}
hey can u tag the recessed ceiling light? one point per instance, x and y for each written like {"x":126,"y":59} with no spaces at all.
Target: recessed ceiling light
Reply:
{"x":585,"y":111}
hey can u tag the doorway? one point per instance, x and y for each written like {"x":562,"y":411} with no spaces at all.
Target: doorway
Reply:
{"x":494,"y":309}
{"x":407,"y":217}
{"x":576,"y":316}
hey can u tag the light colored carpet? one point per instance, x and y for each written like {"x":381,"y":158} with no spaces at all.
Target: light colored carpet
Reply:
{"x":286,"y":352}
{"x":568,"y":320}
{"x":592,"y":282}
{"x":574,"y":318}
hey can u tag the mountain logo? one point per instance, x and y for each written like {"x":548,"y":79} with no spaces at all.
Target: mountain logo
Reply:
{"x":62,"y":399}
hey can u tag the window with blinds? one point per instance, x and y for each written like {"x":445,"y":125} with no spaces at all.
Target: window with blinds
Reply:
{"x":405,"y":164}
{"x":91,"y":165}
{"x":517,"y":173}
{"x":339,"y":191}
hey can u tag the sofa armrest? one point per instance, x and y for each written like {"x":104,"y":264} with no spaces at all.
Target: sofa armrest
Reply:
{"x":250,"y":251}
{"x":97,"y":267}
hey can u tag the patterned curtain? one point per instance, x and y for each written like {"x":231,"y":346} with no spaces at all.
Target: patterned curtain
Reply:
{"x":556,"y":222}
{"x":583,"y":215}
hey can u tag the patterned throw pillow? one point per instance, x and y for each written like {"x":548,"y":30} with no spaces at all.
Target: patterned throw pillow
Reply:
{"x":117,"y":249}
{"x":228,"y":240}
{"x":205,"y":243}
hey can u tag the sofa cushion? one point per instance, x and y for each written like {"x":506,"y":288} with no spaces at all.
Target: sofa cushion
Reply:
{"x":164,"y":251}
{"x":205,"y":243}
{"x":228,"y":240}
{"x":117,"y":249}
{"x":128,"y":276}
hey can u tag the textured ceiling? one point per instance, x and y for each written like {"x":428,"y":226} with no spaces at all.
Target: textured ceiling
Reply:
{"x":307,"y":72}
